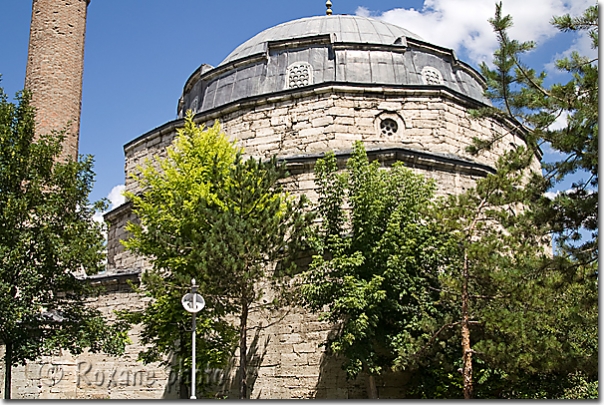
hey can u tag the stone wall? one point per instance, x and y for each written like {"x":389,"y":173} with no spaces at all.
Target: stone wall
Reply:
{"x":94,"y":375}
{"x":55,"y":65}
{"x":434,"y":127}
{"x":285,"y":354}
{"x":118,"y":259}
{"x":333,"y":117}
{"x":285,"y":360}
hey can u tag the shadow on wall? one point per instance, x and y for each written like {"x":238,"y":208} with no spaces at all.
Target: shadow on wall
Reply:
{"x":230,"y":385}
{"x":333,"y":384}
{"x":176,"y":386}
{"x":222,"y":384}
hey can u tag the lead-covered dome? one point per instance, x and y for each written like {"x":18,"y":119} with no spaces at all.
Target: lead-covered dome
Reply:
{"x":344,"y":28}
{"x":324,"y":50}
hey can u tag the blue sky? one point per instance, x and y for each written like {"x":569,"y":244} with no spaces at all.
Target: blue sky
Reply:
{"x":139,"y":54}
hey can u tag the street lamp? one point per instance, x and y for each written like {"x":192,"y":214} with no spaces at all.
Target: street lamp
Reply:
{"x":193,"y":303}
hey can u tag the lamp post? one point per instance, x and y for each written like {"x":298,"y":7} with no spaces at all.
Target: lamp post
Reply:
{"x":193,"y":303}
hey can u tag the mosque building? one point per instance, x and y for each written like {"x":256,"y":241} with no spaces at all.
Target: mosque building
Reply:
{"x":295,"y":90}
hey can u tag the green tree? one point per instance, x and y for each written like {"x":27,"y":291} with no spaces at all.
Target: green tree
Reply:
{"x":520,"y":93}
{"x":522,"y":324}
{"x":47,"y":238}
{"x":374,"y":271}
{"x":494,"y":268}
{"x":570,"y":217}
{"x":208,"y":213}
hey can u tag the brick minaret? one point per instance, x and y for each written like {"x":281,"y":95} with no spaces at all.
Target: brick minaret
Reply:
{"x":55,"y":66}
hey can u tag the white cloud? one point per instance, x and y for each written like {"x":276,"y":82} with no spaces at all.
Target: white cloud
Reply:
{"x":550,"y":153}
{"x":560,"y":122}
{"x":551,"y":194}
{"x":363,"y":11}
{"x":582,"y":44}
{"x":116,"y":196}
{"x":463,"y":25}
{"x":98,"y":217}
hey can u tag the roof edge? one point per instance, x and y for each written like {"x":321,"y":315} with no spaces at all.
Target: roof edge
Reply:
{"x":317,"y":88}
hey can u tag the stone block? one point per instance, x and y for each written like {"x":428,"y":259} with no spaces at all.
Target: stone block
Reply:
{"x":316,"y":327}
{"x":267,"y":149}
{"x":265,"y":132}
{"x":280,"y":120}
{"x":339,"y":111}
{"x":389,"y":106}
{"x":344,"y":121}
{"x":322,"y":104}
{"x":347,"y":138}
{"x":311,"y":132}
{"x":266,"y":372}
{"x":262,"y":140}
{"x":153,"y":141}
{"x":279,"y":112}
{"x":322,"y":121}
{"x":265,"y":108}
{"x":302,"y":124}
{"x":415,"y":105}
{"x":418,"y":133}
{"x":364,"y":122}
{"x":315,"y":359}
{"x":292,"y":359}
{"x":288,"y":337}
{"x":260,"y":123}
{"x":305,"y":347}
{"x":437,"y":105}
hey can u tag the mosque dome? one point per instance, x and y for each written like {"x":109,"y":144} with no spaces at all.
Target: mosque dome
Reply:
{"x":345,"y":28}
{"x":327,"y":50}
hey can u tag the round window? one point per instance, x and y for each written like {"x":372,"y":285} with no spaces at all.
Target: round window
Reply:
{"x":388,"y":126}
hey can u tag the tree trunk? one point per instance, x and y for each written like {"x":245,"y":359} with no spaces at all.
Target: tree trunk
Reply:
{"x":465,"y":334}
{"x":8,"y":369}
{"x":243,"y":352}
{"x":373,"y":394}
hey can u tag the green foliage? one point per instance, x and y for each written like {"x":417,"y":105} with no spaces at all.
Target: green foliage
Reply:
{"x":208,"y":213}
{"x":167,"y":329}
{"x":374,"y":271}
{"x":529,"y":322}
{"x":519,"y":93}
{"x":550,"y":333}
{"x":47,"y":237}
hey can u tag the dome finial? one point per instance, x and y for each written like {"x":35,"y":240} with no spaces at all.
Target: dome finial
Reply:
{"x":328,"y":5}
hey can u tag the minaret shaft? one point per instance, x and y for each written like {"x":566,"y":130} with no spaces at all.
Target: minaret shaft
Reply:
{"x":55,"y":67}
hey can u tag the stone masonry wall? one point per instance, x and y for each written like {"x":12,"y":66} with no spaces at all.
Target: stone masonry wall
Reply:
{"x":432,"y":121}
{"x":92,"y":375}
{"x":118,"y":259}
{"x":55,"y":65}
{"x":285,"y":354}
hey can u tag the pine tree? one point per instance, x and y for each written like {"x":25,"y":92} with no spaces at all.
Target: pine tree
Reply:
{"x":570,"y":217}
{"x":521,"y":319}
{"x":519,"y":93}
{"x":494,"y":258}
